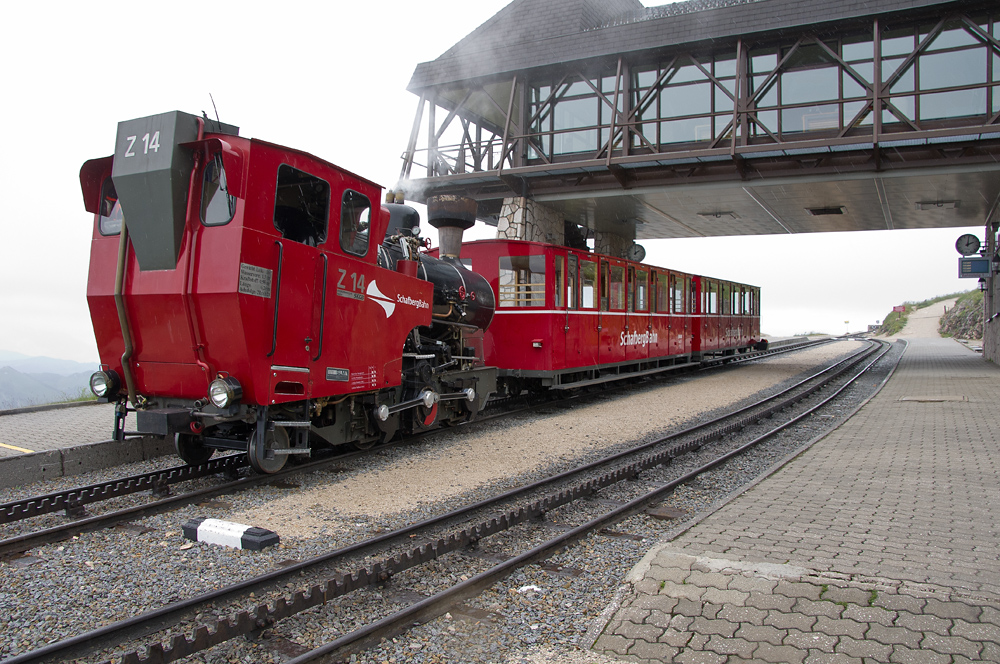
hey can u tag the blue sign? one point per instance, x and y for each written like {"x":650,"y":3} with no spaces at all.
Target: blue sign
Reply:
{"x":973,"y":267}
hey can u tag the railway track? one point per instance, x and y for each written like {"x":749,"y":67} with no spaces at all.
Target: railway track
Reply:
{"x":74,"y":501}
{"x":451,"y":533}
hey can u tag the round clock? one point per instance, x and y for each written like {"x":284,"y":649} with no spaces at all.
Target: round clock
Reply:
{"x":967,"y":244}
{"x":635,"y":253}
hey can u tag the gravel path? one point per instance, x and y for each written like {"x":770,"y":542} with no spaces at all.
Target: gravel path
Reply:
{"x":50,"y":593}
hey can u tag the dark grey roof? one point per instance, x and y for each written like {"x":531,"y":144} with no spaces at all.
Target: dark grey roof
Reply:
{"x":536,"y":33}
{"x":673,"y":9}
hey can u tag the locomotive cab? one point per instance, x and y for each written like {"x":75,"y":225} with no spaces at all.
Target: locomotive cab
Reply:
{"x":240,"y":299}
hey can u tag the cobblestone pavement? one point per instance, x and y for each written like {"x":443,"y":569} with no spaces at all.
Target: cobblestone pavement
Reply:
{"x":55,"y":429}
{"x":877,"y":544}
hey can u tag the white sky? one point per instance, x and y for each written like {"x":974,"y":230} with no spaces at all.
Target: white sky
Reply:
{"x":328,"y":78}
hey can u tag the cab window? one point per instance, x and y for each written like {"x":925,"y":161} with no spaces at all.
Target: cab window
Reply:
{"x":355,"y":219}
{"x":217,"y":205}
{"x":111,"y":219}
{"x":301,"y":206}
{"x":522,"y":281}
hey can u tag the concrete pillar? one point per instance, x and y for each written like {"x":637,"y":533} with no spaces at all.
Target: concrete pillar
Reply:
{"x":524,"y":219}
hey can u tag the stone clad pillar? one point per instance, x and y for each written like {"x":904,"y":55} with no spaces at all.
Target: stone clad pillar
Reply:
{"x":524,"y":219}
{"x":611,"y":244}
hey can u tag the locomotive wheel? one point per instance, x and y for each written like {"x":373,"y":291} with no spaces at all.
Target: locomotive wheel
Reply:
{"x":191,"y":450}
{"x":276,"y":439}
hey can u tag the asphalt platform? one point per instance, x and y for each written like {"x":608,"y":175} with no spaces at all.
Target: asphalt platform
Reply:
{"x":50,"y":441}
{"x":877,"y":543}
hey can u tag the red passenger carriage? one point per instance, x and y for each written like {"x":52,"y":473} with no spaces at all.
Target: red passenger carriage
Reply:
{"x":568,"y":318}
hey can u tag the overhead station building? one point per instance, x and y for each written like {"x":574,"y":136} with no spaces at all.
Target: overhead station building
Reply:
{"x":611,"y":120}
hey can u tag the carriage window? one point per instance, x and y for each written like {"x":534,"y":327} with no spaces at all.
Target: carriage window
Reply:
{"x":560,"y":280}
{"x":111,"y":210}
{"x":522,"y":281}
{"x":712,"y":295}
{"x":617,"y":288}
{"x":217,"y":205}
{"x":692,"y":289}
{"x":572,"y":283}
{"x":664,"y":292}
{"x":355,"y":219}
{"x":588,"y":284}
{"x":641,"y":286}
{"x":301,"y":206}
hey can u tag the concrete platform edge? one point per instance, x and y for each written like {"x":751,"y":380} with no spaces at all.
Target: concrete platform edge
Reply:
{"x":600,"y":623}
{"x":37,"y":466}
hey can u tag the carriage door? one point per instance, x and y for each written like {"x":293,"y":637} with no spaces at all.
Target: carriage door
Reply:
{"x":638,"y":330}
{"x":301,"y":211}
{"x":613,"y":316}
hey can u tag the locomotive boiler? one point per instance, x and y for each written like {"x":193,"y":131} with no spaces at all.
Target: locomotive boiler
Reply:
{"x":247,"y":296}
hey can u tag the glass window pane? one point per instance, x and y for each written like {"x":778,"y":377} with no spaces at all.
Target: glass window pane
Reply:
{"x":217,"y":205}
{"x":904,"y":105}
{"x":809,"y":85}
{"x":903,"y":44}
{"x":852,"y":88}
{"x":572,"y":283}
{"x":301,"y":206}
{"x":588,"y":284}
{"x":684,"y":131}
{"x":763,"y":63}
{"x":616,"y":290}
{"x":725,"y":67}
{"x":952,"y":37}
{"x":952,"y":104}
{"x":645,"y":79}
{"x":859,"y":50}
{"x":111,"y":219}
{"x":560,"y":280}
{"x":945,"y":70}
{"x":575,"y":141}
{"x":573,"y":113}
{"x":355,"y":214}
{"x":522,"y":281}
{"x":687,"y":73}
{"x":768,"y":119}
{"x":865,"y":69}
{"x":686,"y":100}
{"x":769,"y":98}
{"x":812,"y":118}
{"x":851,"y":109}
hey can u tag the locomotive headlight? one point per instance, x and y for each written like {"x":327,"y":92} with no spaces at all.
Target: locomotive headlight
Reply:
{"x":105,"y":384}
{"x":223,"y":392}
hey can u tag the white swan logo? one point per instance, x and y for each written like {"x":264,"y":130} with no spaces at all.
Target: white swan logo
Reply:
{"x":387,"y":303}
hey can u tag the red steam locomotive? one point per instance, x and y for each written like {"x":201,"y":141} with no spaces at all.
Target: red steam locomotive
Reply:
{"x":252,"y":297}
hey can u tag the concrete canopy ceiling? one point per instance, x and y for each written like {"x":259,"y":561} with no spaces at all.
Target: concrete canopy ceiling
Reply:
{"x":955,"y":197}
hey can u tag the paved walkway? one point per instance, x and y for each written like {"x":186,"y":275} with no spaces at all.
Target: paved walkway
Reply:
{"x":878,"y":544}
{"x":47,"y":430}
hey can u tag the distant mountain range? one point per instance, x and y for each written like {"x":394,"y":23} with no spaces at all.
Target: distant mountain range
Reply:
{"x":30,"y":381}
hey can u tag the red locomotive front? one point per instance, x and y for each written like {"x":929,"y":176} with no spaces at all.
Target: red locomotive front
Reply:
{"x":242,"y":298}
